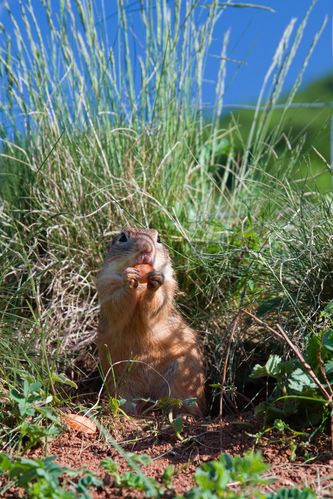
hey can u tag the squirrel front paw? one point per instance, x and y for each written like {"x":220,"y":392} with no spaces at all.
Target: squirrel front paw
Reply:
{"x":131,"y":277}
{"x":155,"y":279}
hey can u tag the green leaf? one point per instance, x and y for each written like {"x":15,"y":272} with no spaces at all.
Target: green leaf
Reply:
{"x":138,"y":482}
{"x":272,"y":368}
{"x":274,"y":365}
{"x":62,"y":378}
{"x":41,"y":478}
{"x":280,"y":425}
{"x":140,"y":459}
{"x":213,"y":249}
{"x":247,"y":469}
{"x":5,"y":464}
{"x":321,"y":400}
{"x":83,"y":484}
{"x":299,"y":380}
{"x":258,"y":372}
{"x":31,"y":387}
{"x":15,"y":395}
{"x":328,"y":311}
{"x":313,"y":350}
{"x":178,"y":424}
{"x":109,"y":465}
{"x":328,"y":340}
{"x":292,"y":494}
{"x":329,"y":367}
{"x":168,"y":475}
{"x":276,"y":303}
{"x":212,"y":476}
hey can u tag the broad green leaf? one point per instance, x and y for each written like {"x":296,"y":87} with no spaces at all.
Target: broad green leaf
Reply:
{"x":178,"y":424}
{"x":168,"y":475}
{"x":273,"y":368}
{"x":258,"y":372}
{"x":292,"y":494}
{"x":299,"y":380}
{"x":328,"y":310}
{"x":15,"y":395}
{"x":329,"y":367}
{"x":274,"y":365}
{"x":5,"y":464}
{"x":276,"y":303}
{"x":312,"y":351}
{"x":328,"y":340}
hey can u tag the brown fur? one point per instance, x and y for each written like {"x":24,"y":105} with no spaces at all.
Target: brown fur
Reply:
{"x":139,"y":322}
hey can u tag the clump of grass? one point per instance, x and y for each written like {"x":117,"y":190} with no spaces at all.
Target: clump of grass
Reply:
{"x":90,"y":148}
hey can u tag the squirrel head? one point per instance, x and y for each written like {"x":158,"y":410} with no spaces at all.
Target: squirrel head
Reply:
{"x":137,"y":246}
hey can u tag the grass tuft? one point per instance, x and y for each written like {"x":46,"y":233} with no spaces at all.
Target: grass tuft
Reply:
{"x":94,"y":138}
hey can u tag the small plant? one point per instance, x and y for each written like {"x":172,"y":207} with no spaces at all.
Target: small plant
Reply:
{"x":214,"y":478}
{"x":286,"y":435}
{"x":114,"y":406}
{"x":303,"y":386}
{"x":238,"y":478}
{"x":295,"y":392}
{"x":41,"y":478}
{"x":227,"y":477}
{"x":136,"y":481}
{"x":33,"y":417}
{"x":171,"y":405}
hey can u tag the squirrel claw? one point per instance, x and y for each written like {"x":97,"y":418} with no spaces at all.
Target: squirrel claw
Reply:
{"x":131,"y":277}
{"x":155,"y":280}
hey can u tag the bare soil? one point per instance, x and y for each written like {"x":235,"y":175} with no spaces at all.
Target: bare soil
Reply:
{"x":201,"y":441}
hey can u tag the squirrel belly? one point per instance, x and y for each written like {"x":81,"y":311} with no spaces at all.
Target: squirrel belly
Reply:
{"x":146,"y":349}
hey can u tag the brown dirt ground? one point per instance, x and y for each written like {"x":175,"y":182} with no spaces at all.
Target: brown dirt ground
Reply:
{"x":202,"y":441}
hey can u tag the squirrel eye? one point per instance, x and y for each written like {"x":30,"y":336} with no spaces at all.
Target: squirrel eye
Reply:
{"x":123,"y":238}
{"x":158,"y":239}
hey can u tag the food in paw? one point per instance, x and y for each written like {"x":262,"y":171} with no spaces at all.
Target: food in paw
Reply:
{"x":144,"y":269}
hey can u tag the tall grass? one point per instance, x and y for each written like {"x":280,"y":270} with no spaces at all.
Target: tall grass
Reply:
{"x":94,"y":138}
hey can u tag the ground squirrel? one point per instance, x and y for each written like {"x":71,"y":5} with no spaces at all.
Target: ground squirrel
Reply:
{"x":153,"y":352}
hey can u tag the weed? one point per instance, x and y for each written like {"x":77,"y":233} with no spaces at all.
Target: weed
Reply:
{"x":32,"y":417}
{"x":132,"y":480}
{"x":295,"y":393}
{"x":41,"y":478}
{"x":303,"y":383}
{"x":229,"y":477}
{"x":114,"y":406}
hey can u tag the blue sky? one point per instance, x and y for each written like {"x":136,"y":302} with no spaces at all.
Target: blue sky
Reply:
{"x":255,"y":35}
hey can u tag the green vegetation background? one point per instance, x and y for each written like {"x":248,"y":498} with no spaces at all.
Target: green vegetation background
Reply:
{"x":308,"y":125}
{"x":243,"y":203}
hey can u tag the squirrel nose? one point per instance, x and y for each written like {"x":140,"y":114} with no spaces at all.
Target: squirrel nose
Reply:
{"x":145,"y":247}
